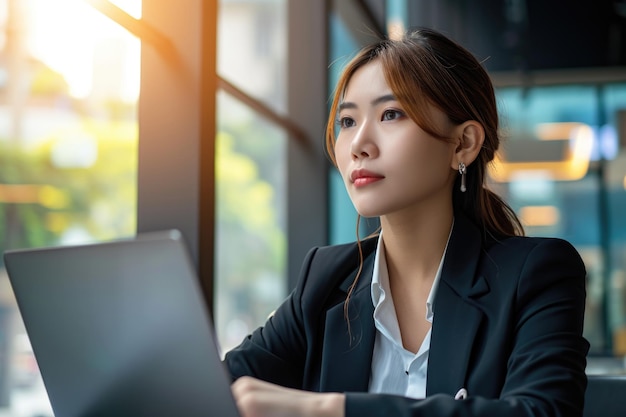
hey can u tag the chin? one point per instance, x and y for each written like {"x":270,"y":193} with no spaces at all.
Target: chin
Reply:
{"x":368,"y":214}
{"x":372,"y":206}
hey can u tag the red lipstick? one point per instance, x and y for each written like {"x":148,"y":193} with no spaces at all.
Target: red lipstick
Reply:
{"x":362,"y":177}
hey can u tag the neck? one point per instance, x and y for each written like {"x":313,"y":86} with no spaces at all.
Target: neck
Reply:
{"x":415,"y":244}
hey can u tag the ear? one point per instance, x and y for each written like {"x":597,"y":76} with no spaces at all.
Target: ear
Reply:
{"x":470,"y":137}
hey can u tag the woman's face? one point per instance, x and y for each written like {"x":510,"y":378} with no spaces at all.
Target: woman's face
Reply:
{"x":388,"y":163}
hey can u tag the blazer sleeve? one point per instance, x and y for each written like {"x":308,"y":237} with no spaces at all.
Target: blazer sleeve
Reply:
{"x":545,"y":371}
{"x":275,"y":352}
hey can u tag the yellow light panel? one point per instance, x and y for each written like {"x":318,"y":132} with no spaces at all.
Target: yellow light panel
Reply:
{"x":573,"y":167}
{"x":539,"y":215}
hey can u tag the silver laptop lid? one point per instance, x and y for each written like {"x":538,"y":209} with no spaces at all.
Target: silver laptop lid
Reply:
{"x":121,"y":329}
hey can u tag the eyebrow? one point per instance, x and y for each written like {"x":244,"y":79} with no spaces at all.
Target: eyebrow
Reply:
{"x":375,"y":102}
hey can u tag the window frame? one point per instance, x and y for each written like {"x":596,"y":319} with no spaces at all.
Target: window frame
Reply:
{"x":176,"y":179}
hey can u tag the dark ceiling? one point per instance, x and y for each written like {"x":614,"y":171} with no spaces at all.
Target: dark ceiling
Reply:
{"x":531,"y":34}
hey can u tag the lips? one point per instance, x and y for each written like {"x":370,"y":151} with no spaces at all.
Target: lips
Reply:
{"x":360,"y":177}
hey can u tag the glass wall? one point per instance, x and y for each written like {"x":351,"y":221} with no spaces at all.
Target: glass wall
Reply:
{"x":69,"y":83}
{"x":250,"y":237}
{"x":563,"y":169}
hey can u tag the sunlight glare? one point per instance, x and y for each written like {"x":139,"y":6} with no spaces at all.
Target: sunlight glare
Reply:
{"x":65,"y":35}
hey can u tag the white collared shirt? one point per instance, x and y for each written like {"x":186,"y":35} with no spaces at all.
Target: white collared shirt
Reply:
{"x":396,"y":370}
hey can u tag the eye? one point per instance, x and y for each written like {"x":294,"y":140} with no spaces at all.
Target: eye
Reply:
{"x":346,"y":122}
{"x":392,"y":115}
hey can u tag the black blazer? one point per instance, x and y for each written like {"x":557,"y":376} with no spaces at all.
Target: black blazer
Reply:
{"x":508,"y":320}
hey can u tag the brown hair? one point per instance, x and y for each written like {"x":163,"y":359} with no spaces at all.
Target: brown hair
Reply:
{"x":425,"y":67}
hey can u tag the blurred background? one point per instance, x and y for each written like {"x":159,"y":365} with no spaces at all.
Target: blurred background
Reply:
{"x":124,"y":116}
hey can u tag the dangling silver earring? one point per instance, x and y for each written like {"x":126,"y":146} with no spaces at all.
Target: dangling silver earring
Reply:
{"x":462,"y":171}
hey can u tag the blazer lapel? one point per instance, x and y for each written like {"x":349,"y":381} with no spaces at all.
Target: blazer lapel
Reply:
{"x":347,"y":353}
{"x":455,"y":319}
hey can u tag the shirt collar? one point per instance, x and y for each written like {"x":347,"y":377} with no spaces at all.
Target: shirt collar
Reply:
{"x":377,"y":289}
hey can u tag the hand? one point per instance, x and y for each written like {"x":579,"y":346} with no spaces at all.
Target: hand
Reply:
{"x":256,"y":398}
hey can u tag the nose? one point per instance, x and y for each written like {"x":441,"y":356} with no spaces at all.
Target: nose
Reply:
{"x":363,"y":144}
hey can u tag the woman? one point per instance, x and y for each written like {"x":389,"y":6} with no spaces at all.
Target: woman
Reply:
{"x":449,"y":311}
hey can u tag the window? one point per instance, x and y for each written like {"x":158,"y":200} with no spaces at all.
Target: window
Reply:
{"x":250,"y":226}
{"x":69,"y":84}
{"x":271,"y":112}
{"x":270,"y":125}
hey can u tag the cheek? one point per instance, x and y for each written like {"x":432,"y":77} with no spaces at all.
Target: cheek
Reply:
{"x":342,"y":155}
{"x":424,"y":158}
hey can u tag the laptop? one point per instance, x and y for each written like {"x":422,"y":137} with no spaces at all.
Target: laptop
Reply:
{"x":121,"y":329}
